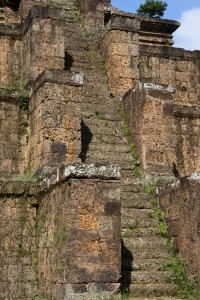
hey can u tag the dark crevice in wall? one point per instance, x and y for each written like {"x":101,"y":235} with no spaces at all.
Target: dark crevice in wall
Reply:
{"x":126,"y":264}
{"x":86,"y":138}
{"x":13,"y":4}
{"x":68,"y":61}
{"x":107,"y":16}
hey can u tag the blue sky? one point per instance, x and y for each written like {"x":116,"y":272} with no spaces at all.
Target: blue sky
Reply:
{"x":185,"y":11}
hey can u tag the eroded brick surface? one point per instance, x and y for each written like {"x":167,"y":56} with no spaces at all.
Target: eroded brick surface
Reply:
{"x":56,"y":108}
{"x":79,"y":230}
{"x":180,"y":203}
{"x":13,"y":126}
{"x":54,"y":126}
{"x":18,"y":248}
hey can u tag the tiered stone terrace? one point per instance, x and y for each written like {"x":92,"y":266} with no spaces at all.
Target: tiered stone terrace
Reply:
{"x":76,"y":222}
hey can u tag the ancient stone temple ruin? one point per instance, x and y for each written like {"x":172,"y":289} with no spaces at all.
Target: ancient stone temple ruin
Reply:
{"x":97,"y":113}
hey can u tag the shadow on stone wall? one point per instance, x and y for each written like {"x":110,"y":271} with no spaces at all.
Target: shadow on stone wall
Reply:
{"x":14,"y":5}
{"x":68,"y":61}
{"x":86,"y":138}
{"x":127,"y":266}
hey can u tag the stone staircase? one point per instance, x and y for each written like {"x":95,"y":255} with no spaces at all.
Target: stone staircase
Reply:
{"x":144,"y":252}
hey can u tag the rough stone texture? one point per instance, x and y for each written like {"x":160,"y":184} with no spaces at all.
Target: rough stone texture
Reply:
{"x":171,"y":66}
{"x":180,"y":204}
{"x":163,"y":115}
{"x":26,"y":5}
{"x":181,"y":70}
{"x":104,"y":141}
{"x":43,"y":43}
{"x":54,"y":118}
{"x":164,"y":121}
{"x":124,"y":33}
{"x":18,"y":248}
{"x":13,"y":126}
{"x":79,"y":233}
{"x":59,"y":243}
{"x":121,"y":52}
{"x":10,"y":56}
{"x":149,"y":109}
{"x":54,"y":83}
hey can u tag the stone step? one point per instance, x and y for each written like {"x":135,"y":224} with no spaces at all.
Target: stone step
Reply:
{"x":145,"y":264}
{"x":119,"y":148}
{"x":108,"y":139}
{"x":139,"y":232}
{"x":89,"y":80}
{"x":139,"y":252}
{"x":105,"y":128}
{"x":129,"y":173}
{"x":135,"y":200}
{"x":135,"y":212}
{"x":111,"y":157}
{"x":133,"y":188}
{"x":129,"y":181}
{"x":147,"y":242}
{"x":151,"y":289}
{"x":107,"y":115}
{"x":135,"y":203}
{"x":104,"y":112}
{"x":138,"y":222}
{"x":93,"y":99}
{"x":145,"y":277}
{"x":96,"y":87}
{"x":100,"y":132}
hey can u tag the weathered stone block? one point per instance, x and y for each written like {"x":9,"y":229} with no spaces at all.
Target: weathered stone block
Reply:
{"x":79,"y":248}
{"x":55,"y":138}
{"x":180,"y":204}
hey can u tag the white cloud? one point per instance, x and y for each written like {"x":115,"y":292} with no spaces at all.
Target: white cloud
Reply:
{"x":187,"y":36}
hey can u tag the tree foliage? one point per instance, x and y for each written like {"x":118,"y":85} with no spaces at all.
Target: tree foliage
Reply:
{"x":152,"y":8}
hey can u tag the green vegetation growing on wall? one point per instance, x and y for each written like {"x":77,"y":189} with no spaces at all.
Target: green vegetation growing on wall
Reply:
{"x":186,"y":288}
{"x":24,"y":96}
{"x":133,"y":149}
{"x":78,"y":17}
{"x":21,"y":92}
{"x":28,"y":175}
{"x":43,"y":297}
{"x":24,"y":101}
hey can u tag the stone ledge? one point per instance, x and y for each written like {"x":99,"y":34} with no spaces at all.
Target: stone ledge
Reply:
{"x":174,"y":185}
{"x":44,"y":12}
{"x":64,"y":173}
{"x":17,"y":188}
{"x":133,"y":22}
{"x":149,"y":86}
{"x":185,"y":111}
{"x":155,"y":87}
{"x":12,"y":31}
{"x":124,"y":23}
{"x":58,"y":76}
{"x":13,"y":95}
{"x":85,"y":171}
{"x":167,"y":51}
{"x":158,"y":25}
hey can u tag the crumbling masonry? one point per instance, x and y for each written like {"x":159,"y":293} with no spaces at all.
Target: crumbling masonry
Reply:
{"x":82,"y":86}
